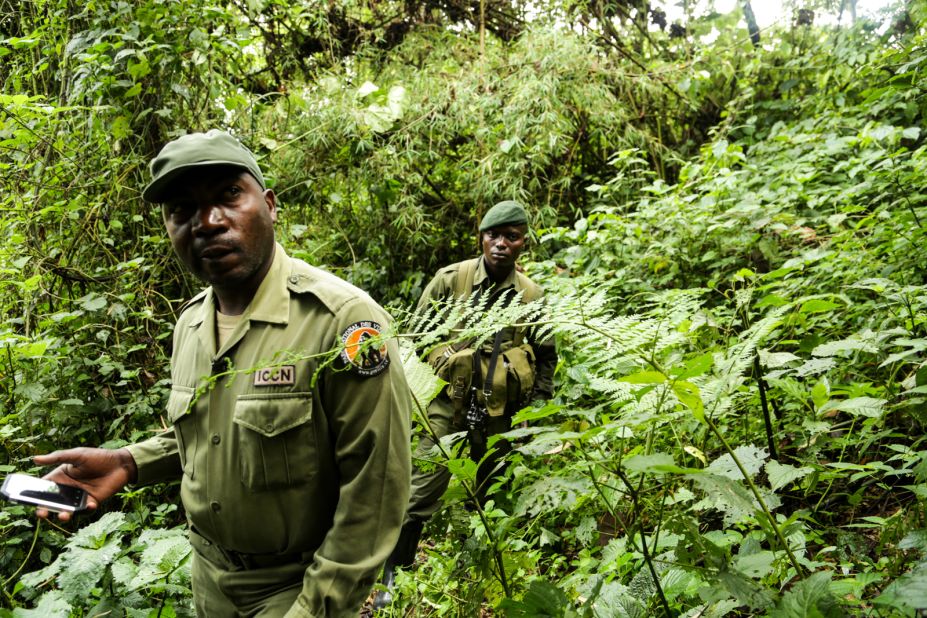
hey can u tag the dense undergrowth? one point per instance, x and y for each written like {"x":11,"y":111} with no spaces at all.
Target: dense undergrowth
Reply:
{"x":735,"y":268}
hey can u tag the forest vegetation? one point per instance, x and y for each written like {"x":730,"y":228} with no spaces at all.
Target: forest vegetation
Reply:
{"x":729,"y":223}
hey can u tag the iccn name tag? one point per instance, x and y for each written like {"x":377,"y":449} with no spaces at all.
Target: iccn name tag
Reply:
{"x":280,"y":375}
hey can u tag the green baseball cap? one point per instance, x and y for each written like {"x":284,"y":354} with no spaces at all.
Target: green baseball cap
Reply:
{"x":214,"y":147}
{"x":508,"y":212}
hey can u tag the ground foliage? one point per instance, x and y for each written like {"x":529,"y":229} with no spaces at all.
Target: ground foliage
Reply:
{"x":731,"y":236}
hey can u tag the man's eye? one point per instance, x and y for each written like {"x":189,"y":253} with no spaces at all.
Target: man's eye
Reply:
{"x":177,"y":210}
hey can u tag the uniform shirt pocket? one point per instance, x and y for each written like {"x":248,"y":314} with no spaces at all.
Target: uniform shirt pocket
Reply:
{"x":277,"y":446}
{"x":181,"y":417}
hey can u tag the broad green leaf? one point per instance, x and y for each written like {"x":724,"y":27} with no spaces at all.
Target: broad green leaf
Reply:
{"x":85,"y":567}
{"x":689,"y":395}
{"x":542,"y":600}
{"x":809,"y":598}
{"x":52,"y":604}
{"x":367,"y":88}
{"x":843,"y":347}
{"x":658,"y":463}
{"x":815,"y":366}
{"x":781,"y":475}
{"x":92,"y":302}
{"x":696,"y":366}
{"x":861,"y":406}
{"x":759,"y":564}
{"x":161,"y":558}
{"x":749,"y":456}
{"x":820,"y":392}
{"x":916,"y":539}
{"x":745,"y":590}
{"x":908,"y":592}
{"x":724,"y":494}
{"x":773,"y":360}
{"x":644,"y":377}
{"x":96,"y":534}
{"x":817,"y":305}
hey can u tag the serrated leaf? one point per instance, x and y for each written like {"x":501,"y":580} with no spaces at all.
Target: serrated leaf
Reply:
{"x":843,"y":347}
{"x":745,"y":590}
{"x":759,"y":564}
{"x":36,"y":578}
{"x":861,"y":406}
{"x":809,"y":598}
{"x":916,"y":539}
{"x":781,"y":475}
{"x":749,"y":456}
{"x":85,"y":568}
{"x":542,"y":600}
{"x":815,"y":366}
{"x":160,"y":559}
{"x":772,"y":360}
{"x":724,"y":494}
{"x":907,"y":592}
{"x":95,"y":535}
{"x":52,"y":604}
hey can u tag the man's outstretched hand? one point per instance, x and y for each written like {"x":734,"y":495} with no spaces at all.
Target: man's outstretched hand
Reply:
{"x":100,"y":472}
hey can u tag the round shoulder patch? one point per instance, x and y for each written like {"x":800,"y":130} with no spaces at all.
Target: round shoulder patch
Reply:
{"x":366,"y":358}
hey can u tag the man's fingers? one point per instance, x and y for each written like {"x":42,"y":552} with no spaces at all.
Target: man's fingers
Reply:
{"x":48,"y":459}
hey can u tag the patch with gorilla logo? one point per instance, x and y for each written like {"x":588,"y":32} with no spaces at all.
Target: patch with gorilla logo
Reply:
{"x":368,"y":358}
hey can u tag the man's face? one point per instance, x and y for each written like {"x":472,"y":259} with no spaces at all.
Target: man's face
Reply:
{"x":502,"y":245}
{"x":221,"y":224}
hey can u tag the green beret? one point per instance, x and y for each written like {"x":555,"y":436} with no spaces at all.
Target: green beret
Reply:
{"x":214,"y":147}
{"x":508,"y":212}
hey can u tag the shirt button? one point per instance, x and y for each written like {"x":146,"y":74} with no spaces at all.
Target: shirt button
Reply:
{"x":294,"y":278}
{"x":216,"y":439}
{"x":216,"y":507}
{"x":269,"y":426}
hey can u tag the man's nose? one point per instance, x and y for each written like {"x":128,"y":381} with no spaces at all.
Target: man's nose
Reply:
{"x":209,"y":218}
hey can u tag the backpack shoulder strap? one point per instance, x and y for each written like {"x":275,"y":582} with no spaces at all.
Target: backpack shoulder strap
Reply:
{"x":463,"y":285}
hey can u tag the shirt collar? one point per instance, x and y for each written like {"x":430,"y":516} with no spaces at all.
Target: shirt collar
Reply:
{"x":271,"y":302}
{"x":481,"y":276}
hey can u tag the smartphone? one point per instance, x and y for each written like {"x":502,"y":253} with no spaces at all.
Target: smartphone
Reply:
{"x":34,"y":491}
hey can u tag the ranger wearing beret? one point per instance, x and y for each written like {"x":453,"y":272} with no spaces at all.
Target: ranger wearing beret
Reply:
{"x":289,"y":410}
{"x":486,"y":385}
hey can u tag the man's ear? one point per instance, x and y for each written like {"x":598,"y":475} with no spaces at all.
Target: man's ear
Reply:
{"x":270,"y":198}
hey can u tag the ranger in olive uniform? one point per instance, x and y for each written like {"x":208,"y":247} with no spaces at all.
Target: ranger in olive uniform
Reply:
{"x":521,"y":367}
{"x":290,"y":413}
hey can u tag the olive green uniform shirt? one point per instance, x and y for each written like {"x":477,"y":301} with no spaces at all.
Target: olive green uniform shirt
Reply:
{"x":282,"y":447}
{"x":443,"y":288}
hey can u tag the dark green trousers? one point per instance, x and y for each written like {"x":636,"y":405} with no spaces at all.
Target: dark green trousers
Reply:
{"x":222,"y":590}
{"x":429,"y":486}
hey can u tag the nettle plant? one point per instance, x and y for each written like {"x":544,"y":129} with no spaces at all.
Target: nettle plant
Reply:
{"x":113,"y":566}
